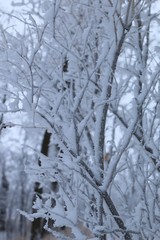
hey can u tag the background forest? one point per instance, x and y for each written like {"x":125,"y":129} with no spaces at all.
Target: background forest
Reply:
{"x":80,"y":120}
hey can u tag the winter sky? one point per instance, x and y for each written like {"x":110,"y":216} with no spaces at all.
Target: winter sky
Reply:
{"x":5,"y":5}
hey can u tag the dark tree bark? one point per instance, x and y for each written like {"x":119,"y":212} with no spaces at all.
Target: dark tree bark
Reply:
{"x":4,"y":187}
{"x":37,"y":230}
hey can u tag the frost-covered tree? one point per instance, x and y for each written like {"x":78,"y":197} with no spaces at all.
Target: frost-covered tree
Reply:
{"x":87,"y":72}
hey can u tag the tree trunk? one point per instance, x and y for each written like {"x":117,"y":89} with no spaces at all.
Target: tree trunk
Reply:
{"x":37,"y":230}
